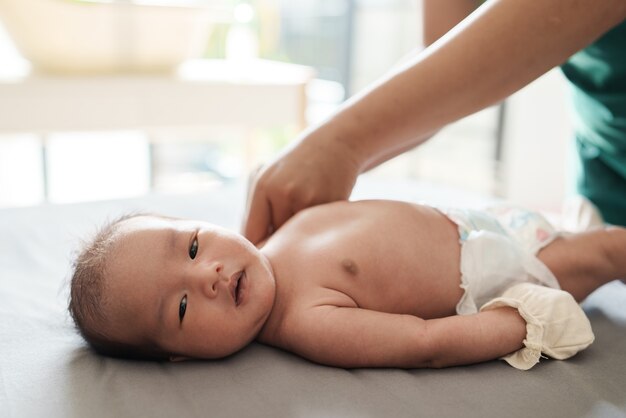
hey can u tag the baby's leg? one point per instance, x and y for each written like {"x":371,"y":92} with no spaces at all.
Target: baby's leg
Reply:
{"x":585,"y":261}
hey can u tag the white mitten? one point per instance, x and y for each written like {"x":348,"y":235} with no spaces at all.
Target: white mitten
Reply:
{"x":555,"y":324}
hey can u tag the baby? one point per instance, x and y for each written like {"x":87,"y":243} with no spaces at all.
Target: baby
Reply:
{"x":348,"y":284}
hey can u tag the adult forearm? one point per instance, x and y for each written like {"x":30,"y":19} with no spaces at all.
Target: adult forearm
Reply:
{"x":496,"y":51}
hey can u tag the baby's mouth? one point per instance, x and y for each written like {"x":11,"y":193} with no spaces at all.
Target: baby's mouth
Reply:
{"x":236,"y":286}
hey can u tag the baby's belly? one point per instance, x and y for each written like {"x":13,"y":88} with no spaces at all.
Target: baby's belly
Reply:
{"x":407,"y":262}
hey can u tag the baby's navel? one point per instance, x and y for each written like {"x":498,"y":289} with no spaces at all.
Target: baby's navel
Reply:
{"x":350,"y":266}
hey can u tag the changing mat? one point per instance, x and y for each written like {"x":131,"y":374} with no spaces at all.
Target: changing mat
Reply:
{"x":46,"y":369}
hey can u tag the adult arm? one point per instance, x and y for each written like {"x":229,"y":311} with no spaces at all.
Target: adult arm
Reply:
{"x":497,"y":50}
{"x":494,"y":52}
{"x":439,"y":16}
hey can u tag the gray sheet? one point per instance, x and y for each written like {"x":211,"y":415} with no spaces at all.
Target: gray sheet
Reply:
{"x":47,"y":371}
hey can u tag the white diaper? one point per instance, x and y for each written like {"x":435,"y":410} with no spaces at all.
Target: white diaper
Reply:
{"x":498,"y":248}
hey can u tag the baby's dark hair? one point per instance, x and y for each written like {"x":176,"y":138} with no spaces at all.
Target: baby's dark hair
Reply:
{"x":86,"y":303}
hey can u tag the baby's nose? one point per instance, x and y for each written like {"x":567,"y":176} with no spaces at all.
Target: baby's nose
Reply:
{"x":211,"y":278}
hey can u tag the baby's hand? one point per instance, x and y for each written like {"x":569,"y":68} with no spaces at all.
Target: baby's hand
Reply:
{"x":555,"y":324}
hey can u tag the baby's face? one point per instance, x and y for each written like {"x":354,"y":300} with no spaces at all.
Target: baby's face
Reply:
{"x":190,"y":287}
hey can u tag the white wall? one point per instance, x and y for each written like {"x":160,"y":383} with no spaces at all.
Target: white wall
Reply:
{"x":537,"y":134}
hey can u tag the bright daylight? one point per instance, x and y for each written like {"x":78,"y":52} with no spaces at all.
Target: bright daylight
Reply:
{"x":312,"y":208}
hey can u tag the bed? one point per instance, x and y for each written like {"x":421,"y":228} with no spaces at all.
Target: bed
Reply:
{"x":46,"y":370}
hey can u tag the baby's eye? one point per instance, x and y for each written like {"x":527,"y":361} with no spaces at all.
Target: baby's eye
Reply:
{"x":182,"y":308}
{"x":193,"y":250}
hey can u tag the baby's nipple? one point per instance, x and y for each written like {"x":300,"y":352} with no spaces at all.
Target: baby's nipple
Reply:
{"x":350,"y":266}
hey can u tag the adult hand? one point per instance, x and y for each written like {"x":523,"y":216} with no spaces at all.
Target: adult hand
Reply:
{"x":314,"y":171}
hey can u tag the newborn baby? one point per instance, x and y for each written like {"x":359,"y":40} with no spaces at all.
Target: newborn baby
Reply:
{"x":348,"y":284}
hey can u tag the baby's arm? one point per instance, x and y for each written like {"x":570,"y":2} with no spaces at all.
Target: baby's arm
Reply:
{"x":354,"y":337}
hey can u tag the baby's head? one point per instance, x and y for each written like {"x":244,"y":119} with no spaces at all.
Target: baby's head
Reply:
{"x":153,"y":287}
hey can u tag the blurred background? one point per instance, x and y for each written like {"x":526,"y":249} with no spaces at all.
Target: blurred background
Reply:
{"x":111,"y":99}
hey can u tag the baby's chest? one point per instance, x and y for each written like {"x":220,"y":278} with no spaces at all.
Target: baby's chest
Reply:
{"x":354,"y":276}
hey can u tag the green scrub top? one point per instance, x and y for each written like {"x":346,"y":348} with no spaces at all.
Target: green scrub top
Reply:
{"x":597,"y":76}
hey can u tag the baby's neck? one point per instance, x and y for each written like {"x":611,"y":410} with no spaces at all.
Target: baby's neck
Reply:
{"x":268,"y":330}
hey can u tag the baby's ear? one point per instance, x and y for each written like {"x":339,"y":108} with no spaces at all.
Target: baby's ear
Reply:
{"x":176,"y":359}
